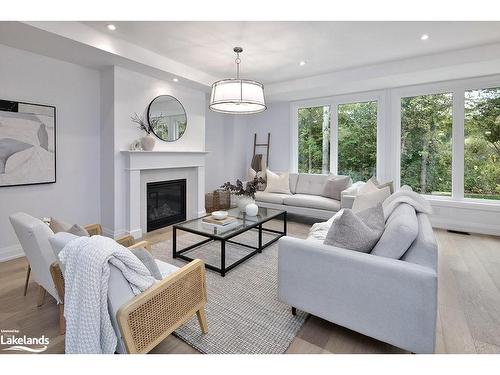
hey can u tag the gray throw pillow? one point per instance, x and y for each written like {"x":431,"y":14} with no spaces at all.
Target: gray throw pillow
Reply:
{"x":60,"y":226}
{"x":357,"y":231}
{"x":335,"y":185}
{"x":147,"y":259}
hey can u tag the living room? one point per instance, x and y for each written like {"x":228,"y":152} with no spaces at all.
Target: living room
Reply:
{"x":193,"y":186}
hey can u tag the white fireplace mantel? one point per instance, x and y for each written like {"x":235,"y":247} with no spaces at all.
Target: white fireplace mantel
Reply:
{"x":137,"y":161}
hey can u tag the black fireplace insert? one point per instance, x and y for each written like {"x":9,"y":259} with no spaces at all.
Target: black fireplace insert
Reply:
{"x":166,"y":203}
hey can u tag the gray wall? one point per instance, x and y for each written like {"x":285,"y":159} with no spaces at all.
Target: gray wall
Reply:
{"x":74,"y":91}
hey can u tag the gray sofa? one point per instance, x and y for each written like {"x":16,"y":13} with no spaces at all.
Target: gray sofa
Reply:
{"x":306,"y":198}
{"x":392,"y":300}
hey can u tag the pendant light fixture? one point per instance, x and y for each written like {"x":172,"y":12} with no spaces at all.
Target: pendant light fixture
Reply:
{"x":236,"y":95}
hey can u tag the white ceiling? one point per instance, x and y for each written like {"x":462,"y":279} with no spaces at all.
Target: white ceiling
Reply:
{"x":273,"y":50}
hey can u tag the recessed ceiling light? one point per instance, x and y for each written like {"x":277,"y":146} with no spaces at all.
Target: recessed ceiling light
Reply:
{"x":175,"y":79}
{"x":302,"y":63}
{"x":111,"y":27}
{"x":424,"y":36}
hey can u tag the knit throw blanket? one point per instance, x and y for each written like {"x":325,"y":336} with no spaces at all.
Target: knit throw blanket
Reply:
{"x":406,"y":195}
{"x":87,"y":262}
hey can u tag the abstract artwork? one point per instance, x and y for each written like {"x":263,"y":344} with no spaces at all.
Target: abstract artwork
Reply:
{"x":27,"y":143}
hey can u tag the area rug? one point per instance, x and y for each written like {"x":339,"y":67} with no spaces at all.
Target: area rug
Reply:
{"x":243,"y":311}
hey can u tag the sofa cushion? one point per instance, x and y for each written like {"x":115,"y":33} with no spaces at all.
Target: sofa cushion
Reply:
{"x":357,"y":231}
{"x":401,"y":229}
{"x":312,"y":201}
{"x":335,"y":185}
{"x":277,"y":183}
{"x":276,"y":198}
{"x":424,"y":249}
{"x":313,"y":184}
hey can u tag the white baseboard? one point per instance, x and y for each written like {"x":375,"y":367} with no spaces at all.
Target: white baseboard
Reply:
{"x":136,"y":233}
{"x":11,"y":252}
{"x":464,"y":226}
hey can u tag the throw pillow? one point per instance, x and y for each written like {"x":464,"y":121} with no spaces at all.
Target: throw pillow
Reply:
{"x":277,"y":183}
{"x":60,"y":226}
{"x":147,"y":259}
{"x":369,"y":187}
{"x":335,"y":185}
{"x":390,"y":184}
{"x":78,"y":230}
{"x":358,"y":232}
{"x":367,"y":200}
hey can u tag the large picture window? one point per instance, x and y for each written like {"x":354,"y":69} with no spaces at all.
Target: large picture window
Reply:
{"x":357,"y":140}
{"x":482,"y":144}
{"x":426,"y":143}
{"x":314,"y":139}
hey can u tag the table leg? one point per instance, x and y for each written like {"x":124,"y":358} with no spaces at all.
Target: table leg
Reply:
{"x":223,"y":258}
{"x":174,"y":242}
{"x":260,"y":238}
{"x":284,"y":223}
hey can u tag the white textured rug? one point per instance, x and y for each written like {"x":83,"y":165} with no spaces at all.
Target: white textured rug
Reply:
{"x":243,"y":312}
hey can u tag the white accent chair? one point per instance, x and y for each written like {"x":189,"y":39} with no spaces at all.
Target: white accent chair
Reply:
{"x":33,"y":234}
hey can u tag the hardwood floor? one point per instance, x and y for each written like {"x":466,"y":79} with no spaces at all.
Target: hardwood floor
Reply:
{"x":468,"y":304}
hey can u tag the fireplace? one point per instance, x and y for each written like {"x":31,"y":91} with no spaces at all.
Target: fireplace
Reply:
{"x":166,"y":203}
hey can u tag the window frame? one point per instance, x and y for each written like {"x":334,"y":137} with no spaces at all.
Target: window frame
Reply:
{"x":457,"y":88}
{"x":333,"y":102}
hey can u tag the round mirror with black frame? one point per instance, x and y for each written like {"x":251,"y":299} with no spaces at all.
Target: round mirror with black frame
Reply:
{"x":167,"y":118}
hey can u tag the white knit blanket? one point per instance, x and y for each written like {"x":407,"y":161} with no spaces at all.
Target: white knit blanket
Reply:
{"x":418,"y":202}
{"x":86,"y":262}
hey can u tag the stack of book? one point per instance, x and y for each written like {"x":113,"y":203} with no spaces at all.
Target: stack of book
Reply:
{"x":221,"y":225}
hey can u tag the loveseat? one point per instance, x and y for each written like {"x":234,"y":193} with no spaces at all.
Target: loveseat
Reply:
{"x":390,"y":299}
{"x":307,"y":197}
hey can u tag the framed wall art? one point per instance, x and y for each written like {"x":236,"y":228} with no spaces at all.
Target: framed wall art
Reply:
{"x":27,"y":143}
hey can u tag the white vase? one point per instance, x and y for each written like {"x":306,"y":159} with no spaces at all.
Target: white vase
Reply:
{"x":147,"y":143}
{"x":243,"y":201}
{"x":252,"y":209}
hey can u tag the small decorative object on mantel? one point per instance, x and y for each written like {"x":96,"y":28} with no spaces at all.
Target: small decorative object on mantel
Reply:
{"x":245,"y":194}
{"x":147,"y":142}
{"x":136,"y":145}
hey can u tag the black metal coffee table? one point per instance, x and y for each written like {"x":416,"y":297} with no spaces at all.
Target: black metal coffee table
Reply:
{"x":197,"y":226}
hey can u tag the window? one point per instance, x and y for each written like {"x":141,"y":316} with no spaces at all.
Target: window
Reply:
{"x":426,"y":148}
{"x":482,"y":144}
{"x":357,"y":140}
{"x":314,"y":139}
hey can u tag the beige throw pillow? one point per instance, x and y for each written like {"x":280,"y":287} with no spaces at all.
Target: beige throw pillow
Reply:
{"x":371,"y":199}
{"x":277,"y":183}
{"x":390,"y":184}
{"x":335,"y":185}
{"x":61,"y":226}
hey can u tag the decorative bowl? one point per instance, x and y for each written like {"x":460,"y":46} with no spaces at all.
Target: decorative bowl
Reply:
{"x":219,"y":215}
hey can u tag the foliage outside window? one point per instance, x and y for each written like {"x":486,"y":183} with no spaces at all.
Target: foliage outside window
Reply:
{"x":426,"y":143}
{"x":482,"y":144}
{"x":314,"y":139}
{"x":357,"y":140}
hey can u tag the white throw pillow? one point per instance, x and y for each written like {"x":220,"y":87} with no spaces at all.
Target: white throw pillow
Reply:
{"x":277,"y":183}
{"x":369,"y":187}
{"x":371,"y":199}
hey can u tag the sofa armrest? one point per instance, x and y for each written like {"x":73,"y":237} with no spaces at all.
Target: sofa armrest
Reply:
{"x":347,"y":196}
{"x":388,"y":299}
{"x":151,"y":316}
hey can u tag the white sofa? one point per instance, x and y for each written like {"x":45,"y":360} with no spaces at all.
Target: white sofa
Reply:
{"x":306,"y":198}
{"x":392,"y":300}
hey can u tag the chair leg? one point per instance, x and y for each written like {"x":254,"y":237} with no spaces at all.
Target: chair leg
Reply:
{"x":202,"y":319}
{"x":41,"y":296}
{"x":28,"y":272}
{"x":62,"y":321}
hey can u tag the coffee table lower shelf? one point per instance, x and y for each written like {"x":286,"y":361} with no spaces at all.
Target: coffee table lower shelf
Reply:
{"x":223,"y":240}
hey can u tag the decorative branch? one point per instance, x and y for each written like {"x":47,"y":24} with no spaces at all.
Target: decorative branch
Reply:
{"x":240,"y":190}
{"x":143,"y":125}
